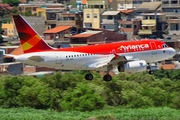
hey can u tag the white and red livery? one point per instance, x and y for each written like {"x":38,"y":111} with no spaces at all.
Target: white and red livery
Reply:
{"x":131,"y":56}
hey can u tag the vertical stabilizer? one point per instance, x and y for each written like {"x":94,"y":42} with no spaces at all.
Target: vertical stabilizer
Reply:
{"x":30,"y":40}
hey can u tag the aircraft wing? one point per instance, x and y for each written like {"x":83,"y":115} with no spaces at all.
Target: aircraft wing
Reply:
{"x":115,"y":61}
{"x":122,"y":58}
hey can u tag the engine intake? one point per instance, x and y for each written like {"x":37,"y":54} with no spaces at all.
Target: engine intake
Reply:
{"x":133,"y":66}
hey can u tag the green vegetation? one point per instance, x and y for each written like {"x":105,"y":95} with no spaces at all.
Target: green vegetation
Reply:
{"x":162,"y":113}
{"x":71,"y":92}
{"x":11,"y":2}
{"x":1,"y":39}
{"x":73,"y":3}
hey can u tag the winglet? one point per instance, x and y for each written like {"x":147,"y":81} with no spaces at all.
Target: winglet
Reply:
{"x":30,"y":40}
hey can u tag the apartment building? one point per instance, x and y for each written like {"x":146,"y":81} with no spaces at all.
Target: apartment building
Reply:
{"x":172,"y":10}
{"x":174,"y":26}
{"x":34,"y":5}
{"x":130,"y":27}
{"x":171,"y":6}
{"x":129,"y":4}
{"x":50,"y":15}
{"x":72,"y":19}
{"x":94,"y":9}
{"x":153,"y":24}
{"x":36,"y":22}
{"x":110,"y":20}
{"x":147,"y":7}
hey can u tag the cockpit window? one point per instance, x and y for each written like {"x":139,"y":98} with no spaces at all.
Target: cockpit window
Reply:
{"x":164,"y":46}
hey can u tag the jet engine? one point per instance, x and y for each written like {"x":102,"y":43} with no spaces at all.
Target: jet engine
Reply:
{"x":133,"y":66}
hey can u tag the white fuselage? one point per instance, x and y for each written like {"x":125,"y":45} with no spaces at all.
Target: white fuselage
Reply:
{"x":82,"y":61}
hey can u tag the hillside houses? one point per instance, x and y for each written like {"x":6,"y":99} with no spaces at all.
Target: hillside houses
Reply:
{"x":135,"y":18}
{"x":100,"y":21}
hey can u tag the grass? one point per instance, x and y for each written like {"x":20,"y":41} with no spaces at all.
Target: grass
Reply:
{"x":162,"y":113}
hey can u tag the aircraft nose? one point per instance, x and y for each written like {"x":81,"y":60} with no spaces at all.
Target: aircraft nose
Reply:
{"x":172,"y":51}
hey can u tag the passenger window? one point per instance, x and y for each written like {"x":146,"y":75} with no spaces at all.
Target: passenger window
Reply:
{"x":74,"y":55}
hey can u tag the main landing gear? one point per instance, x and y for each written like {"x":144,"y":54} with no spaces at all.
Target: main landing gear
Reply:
{"x":89,"y":76}
{"x":151,"y":72}
{"x":106,"y":77}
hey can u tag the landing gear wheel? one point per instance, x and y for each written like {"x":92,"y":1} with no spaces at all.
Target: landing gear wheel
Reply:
{"x":107,"y":77}
{"x":151,"y":72}
{"x":88,"y":76}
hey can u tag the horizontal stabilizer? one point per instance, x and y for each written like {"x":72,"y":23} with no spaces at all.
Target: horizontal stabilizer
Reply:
{"x":10,"y":55}
{"x":36,"y":58}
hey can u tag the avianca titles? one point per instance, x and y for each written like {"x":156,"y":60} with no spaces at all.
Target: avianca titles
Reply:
{"x":131,"y":56}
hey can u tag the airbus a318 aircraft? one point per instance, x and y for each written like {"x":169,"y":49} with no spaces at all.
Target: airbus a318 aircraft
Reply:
{"x":132,"y":56}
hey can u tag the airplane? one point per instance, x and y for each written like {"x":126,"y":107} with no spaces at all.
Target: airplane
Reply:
{"x":129,"y":56}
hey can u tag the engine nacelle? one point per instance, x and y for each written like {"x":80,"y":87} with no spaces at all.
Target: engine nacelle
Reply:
{"x":133,"y":66}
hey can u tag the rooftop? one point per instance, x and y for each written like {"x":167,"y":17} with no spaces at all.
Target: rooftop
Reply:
{"x":57,"y":29}
{"x":40,"y":4}
{"x":86,"y":34}
{"x":110,"y":12}
{"x":126,"y":11}
{"x":149,"y":6}
{"x":84,"y":2}
{"x":168,"y":66}
{"x":153,"y":14}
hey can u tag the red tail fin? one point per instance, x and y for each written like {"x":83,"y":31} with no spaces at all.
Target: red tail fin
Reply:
{"x":30,"y":40}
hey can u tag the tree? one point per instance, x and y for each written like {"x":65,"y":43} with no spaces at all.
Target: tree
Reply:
{"x":28,"y":13}
{"x":14,"y":10}
{"x":1,"y":38}
{"x":74,"y":4}
{"x":82,"y":98}
{"x":11,"y":2}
